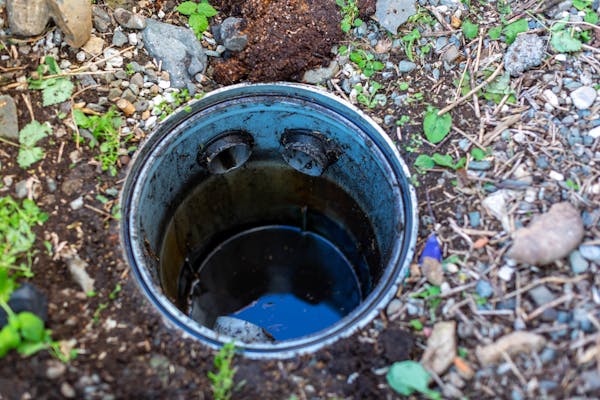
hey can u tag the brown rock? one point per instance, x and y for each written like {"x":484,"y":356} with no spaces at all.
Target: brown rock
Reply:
{"x":441,"y":347}
{"x":433,"y":270}
{"x":513,"y":343}
{"x":74,"y":18}
{"x":126,"y":106}
{"x":549,"y":237}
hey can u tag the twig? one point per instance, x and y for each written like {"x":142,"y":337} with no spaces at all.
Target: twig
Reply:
{"x":548,"y":279}
{"x":9,"y":142}
{"x":470,"y":94}
{"x":28,"y":105}
{"x":538,"y":311}
{"x":514,"y":368}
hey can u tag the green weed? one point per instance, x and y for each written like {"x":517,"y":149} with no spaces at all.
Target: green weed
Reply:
{"x":198,"y":14}
{"x":106,"y":133}
{"x":55,"y":89}
{"x":369,"y":97}
{"x":366,"y":62}
{"x":349,"y":11}
{"x":222,"y":380}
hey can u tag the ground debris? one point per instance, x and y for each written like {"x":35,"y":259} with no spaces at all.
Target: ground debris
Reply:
{"x":513,"y":343}
{"x":441,"y":347}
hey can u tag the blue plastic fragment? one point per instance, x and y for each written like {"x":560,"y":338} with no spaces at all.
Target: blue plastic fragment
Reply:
{"x":431,"y":249}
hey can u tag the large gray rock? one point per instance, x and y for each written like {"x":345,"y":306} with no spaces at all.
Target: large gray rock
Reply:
{"x":527,"y":51}
{"x":9,"y":125}
{"x":178,"y":49}
{"x":27,"y":17}
{"x":393,"y":13}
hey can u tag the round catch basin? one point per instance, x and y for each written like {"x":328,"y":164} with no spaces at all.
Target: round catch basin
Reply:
{"x":273,"y":215}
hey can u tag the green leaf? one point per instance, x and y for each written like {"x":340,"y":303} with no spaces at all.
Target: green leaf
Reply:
{"x":443,"y":160}
{"x":52,"y":65}
{"x":29,"y":155}
{"x":81,"y":119}
{"x":512,"y":30}
{"x":436,"y":127}
{"x":591,"y":17}
{"x":494,"y":33}
{"x":207,"y":10}
{"x":9,"y":339}
{"x":563,"y":42}
{"x":407,"y":377}
{"x":470,"y":30}
{"x":7,"y":285}
{"x":60,"y":91}
{"x":32,"y":327}
{"x":29,"y":348}
{"x":345,"y":25}
{"x":377,"y":65}
{"x":478,"y":154}
{"x":199,"y":23}
{"x":187,"y":7}
{"x":33,"y":132}
{"x":423,"y":161}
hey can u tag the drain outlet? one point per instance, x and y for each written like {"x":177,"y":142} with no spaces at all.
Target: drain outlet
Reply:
{"x":273,"y":215}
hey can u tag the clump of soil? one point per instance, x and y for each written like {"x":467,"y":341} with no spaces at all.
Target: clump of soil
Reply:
{"x":285,"y":38}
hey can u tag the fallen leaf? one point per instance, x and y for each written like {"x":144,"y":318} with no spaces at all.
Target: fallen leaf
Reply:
{"x":463,"y":368}
{"x":441,"y":347}
{"x":480,"y":243}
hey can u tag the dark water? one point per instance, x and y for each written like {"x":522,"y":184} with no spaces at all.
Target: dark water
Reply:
{"x":286,"y":280}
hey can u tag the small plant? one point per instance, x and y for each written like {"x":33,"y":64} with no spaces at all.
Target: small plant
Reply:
{"x":498,"y":89}
{"x":166,"y":108}
{"x":25,"y":331}
{"x":436,"y":127}
{"x":106,"y":132}
{"x":369,"y":97}
{"x":403,"y":120}
{"x":409,"y":42}
{"x":129,"y":70}
{"x":349,"y":11}
{"x":31,"y":133}
{"x":366,"y":62}
{"x":55,"y":89}
{"x":222,"y":380}
{"x":408,"y":377}
{"x":198,"y":14}
{"x":425,"y":162}
{"x":470,"y":30}
{"x":16,"y":234}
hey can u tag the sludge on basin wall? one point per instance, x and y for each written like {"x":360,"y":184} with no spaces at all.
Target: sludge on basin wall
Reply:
{"x":275,"y":215}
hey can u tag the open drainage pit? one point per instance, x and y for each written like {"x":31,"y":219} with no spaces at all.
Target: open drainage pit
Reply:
{"x":274,"y":215}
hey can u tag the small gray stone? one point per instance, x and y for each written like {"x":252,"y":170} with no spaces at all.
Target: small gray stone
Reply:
{"x":137,"y":79}
{"x":484,"y":289}
{"x":178,"y":49}
{"x":578,"y":264}
{"x":450,"y":54}
{"x":55,"y":369}
{"x":584,"y":97}
{"x":541,"y":295}
{"x":527,"y":51}
{"x":393,"y":13}
{"x":101,"y":18}
{"x":129,"y":95}
{"x":482,"y":165}
{"x":119,"y":38}
{"x":321,"y":75}
{"x":9,"y":124}
{"x":591,"y":381}
{"x":590,"y":252}
{"x":67,"y":391}
{"x":129,"y":20}
{"x":77,"y":203}
{"x":406,"y":66}
{"x":230,"y":34}
{"x":21,"y":189}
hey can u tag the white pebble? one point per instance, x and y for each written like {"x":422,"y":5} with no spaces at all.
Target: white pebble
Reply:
{"x":77,"y":203}
{"x":595,"y":133}
{"x":80,"y":56}
{"x":505,"y":273}
{"x":161,"y":14}
{"x":150,"y":122}
{"x":164,"y":84}
{"x":133,"y":39}
{"x":550,"y":97}
{"x":557,"y":176}
{"x":561,"y":57}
